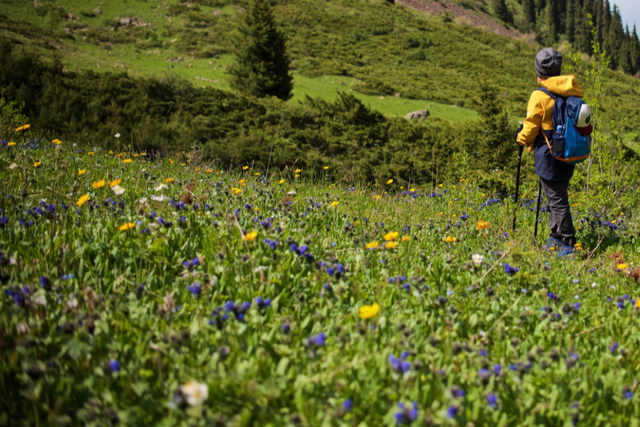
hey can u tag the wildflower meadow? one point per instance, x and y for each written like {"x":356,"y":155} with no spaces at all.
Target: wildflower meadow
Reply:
{"x":140,"y":289}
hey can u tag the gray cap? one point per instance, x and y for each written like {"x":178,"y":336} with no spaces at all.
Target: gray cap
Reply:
{"x":548,"y":63}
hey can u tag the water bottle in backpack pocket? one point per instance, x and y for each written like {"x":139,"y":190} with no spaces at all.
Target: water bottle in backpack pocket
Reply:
{"x":572,"y":127}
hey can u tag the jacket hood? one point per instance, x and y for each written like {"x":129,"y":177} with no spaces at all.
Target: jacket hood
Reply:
{"x":563,"y":86}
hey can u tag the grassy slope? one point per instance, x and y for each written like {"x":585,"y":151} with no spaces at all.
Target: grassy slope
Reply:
{"x":372,"y":49}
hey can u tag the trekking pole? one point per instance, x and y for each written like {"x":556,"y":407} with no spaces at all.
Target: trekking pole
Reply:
{"x":517,"y":187}
{"x":535,"y":231}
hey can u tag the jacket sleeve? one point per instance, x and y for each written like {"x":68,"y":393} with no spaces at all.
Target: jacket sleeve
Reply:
{"x":533,"y":123}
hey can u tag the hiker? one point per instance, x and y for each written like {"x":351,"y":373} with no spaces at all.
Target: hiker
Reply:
{"x":554,"y":174}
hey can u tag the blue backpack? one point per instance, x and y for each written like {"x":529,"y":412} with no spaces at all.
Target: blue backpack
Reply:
{"x":572,"y":127}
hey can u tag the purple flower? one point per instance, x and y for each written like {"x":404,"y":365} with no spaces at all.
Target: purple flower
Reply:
{"x":492,"y":400}
{"x":318,"y":340}
{"x":452,"y":411}
{"x":114,"y":365}
{"x":510,"y":269}
{"x":195,"y":289}
{"x":347,"y":405}
{"x":405,"y":415}
{"x":399,"y":364}
{"x":497,"y":369}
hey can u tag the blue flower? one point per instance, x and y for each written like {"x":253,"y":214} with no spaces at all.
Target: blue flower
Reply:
{"x":399,"y":364}
{"x":318,"y":340}
{"x":452,"y":411}
{"x":497,"y":369}
{"x":628,"y":394}
{"x":492,"y":400}
{"x":195,"y":289}
{"x":114,"y":365}
{"x":405,"y":415}
{"x":347,"y":405}
{"x":45,"y":282}
{"x":510,"y":269}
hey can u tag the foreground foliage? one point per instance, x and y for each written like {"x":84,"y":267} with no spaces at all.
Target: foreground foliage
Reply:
{"x":149,"y":290}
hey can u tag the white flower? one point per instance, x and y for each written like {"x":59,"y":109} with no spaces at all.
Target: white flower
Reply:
{"x":160,"y":187}
{"x":195,"y":392}
{"x":159,"y":198}
{"x":72,"y":303}
{"x":594,"y":284}
{"x":22,"y":328}
{"x":40,"y":300}
{"x":477,"y":259}
{"x":117,"y":135}
{"x":143,"y":201}
{"x":118,"y":190}
{"x":13,"y":166}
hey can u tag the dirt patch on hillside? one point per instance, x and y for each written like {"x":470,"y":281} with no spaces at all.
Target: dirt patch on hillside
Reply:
{"x":473,"y":17}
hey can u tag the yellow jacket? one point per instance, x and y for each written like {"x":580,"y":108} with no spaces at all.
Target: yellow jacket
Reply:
{"x":540,"y":108}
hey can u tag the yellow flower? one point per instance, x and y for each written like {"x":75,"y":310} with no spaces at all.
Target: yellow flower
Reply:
{"x":236,"y":191}
{"x":244,"y":168}
{"x":251,"y":236}
{"x":114,"y":183}
{"x":119,"y":154}
{"x":135,"y":155}
{"x":144,"y":153}
{"x":208,"y":170}
{"x":622,"y":266}
{"x":257,"y":174}
{"x":10,"y":144}
{"x":391,"y":245}
{"x":334,"y":204}
{"x":296,"y":176}
{"x":402,"y":188}
{"x":462,"y":180}
{"x":372,"y":245}
{"x":91,"y":153}
{"x":183,"y":164}
{"x":82,"y":200}
{"x":575,"y":205}
{"x":23,"y":127}
{"x":405,"y":238}
{"x":38,"y":163}
{"x":440,"y":185}
{"x":127,"y":226}
{"x":390,"y":181}
{"x":197,"y":169}
{"x":326,"y":167}
{"x":281,"y":181}
{"x":392,"y":235}
{"x":127,"y":161}
{"x":57,"y":141}
{"x":243,"y":183}
{"x":297,"y":171}
{"x":377,"y":197}
{"x":412,"y":189}
{"x":368,"y":311}
{"x":168,"y":180}
{"x":481,"y":225}
{"x":450,"y":239}
{"x":82,"y":172}
{"x":638,"y":303}
{"x":99,"y":184}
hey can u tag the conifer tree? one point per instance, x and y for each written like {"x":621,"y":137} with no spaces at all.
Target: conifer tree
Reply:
{"x":614,"y":40}
{"x":262,"y":65}
{"x":552,"y":21}
{"x":570,"y":21}
{"x":502,"y":11}
{"x":635,"y":50}
{"x":529,"y":8}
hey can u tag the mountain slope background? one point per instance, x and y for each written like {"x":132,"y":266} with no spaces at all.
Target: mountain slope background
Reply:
{"x":393,"y":58}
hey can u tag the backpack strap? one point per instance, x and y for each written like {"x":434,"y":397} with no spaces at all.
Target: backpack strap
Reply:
{"x":555,"y":98}
{"x":548,"y":92}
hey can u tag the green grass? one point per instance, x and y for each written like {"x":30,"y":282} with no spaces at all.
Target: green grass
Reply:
{"x":100,"y":312}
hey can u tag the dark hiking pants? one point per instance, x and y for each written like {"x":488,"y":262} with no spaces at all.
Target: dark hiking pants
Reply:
{"x":560,"y":220}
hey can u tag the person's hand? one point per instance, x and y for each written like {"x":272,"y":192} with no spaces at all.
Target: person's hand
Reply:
{"x":517,"y":132}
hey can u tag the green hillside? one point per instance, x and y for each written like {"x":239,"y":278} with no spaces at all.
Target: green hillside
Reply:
{"x":377,"y":49}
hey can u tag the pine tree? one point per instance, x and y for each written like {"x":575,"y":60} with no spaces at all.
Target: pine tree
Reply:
{"x":635,"y":50}
{"x":262,"y":66}
{"x":529,"y":8}
{"x":600,"y":20}
{"x":614,"y":40}
{"x":552,"y":21}
{"x":626,"y":59}
{"x":502,"y":11}
{"x":570,"y":22}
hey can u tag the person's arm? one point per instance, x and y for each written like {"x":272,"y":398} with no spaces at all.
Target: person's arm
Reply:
{"x":533,"y":123}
